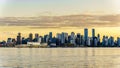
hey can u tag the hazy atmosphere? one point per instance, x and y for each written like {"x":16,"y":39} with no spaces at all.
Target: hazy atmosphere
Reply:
{"x":43,"y":16}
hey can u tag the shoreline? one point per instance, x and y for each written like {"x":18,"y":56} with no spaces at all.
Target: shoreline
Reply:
{"x":61,"y":47}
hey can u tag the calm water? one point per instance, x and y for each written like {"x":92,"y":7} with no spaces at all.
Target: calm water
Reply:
{"x":60,"y":58}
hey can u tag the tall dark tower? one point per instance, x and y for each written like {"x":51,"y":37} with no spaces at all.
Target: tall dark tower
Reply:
{"x":36,"y":35}
{"x":19,"y":39}
{"x":50,"y":36}
{"x":93,"y":37}
{"x":30,"y":37}
{"x":93,"y":33}
{"x":85,"y":36}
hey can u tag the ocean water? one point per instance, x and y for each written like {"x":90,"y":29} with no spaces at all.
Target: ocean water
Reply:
{"x":59,"y":58}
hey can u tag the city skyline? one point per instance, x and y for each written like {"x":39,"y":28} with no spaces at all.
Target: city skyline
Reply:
{"x":64,"y":39}
{"x":41,"y":16}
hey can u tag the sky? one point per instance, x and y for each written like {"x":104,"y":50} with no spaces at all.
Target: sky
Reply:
{"x":21,"y":8}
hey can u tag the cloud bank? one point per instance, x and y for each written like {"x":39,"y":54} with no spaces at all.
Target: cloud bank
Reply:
{"x":63,"y":21}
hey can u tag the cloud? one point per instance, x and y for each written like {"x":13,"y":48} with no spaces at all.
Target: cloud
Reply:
{"x":63,"y":21}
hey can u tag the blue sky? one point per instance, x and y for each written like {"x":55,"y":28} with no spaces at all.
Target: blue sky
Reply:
{"x":57,"y":7}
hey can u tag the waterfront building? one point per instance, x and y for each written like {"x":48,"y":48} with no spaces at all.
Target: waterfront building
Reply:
{"x":50,"y":36}
{"x":82,"y":40}
{"x":59,"y":36}
{"x":106,"y":41}
{"x":98,"y":39}
{"x":30,"y":37}
{"x":9,"y":40}
{"x":73,"y":38}
{"x":36,"y":37}
{"x":118,"y":41}
{"x":93,"y":33}
{"x":63,"y":38}
{"x":88,"y":41}
{"x":85,"y":36}
{"x":111,"y":41}
{"x":95,"y":41}
{"x":19,"y":39}
{"x":46,"y":38}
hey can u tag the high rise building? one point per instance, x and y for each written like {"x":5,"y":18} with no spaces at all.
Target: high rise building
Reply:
{"x":111,"y":41}
{"x":73,"y":38}
{"x":30,"y":37}
{"x":82,"y":40}
{"x":36,"y":35}
{"x":95,"y":42}
{"x":85,"y":36}
{"x":85,"y":33}
{"x":88,"y":42}
{"x":98,"y":39}
{"x":118,"y":41}
{"x":78,"y":35}
{"x":93,"y":33}
{"x":50,"y":36}
{"x":106,"y":41}
{"x":63,"y":38}
{"x":9,"y":40}
{"x":19,"y":39}
{"x":59,"y":36}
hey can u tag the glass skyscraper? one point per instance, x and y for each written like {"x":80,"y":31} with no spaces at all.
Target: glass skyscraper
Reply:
{"x":85,"y":34}
{"x":93,"y":33}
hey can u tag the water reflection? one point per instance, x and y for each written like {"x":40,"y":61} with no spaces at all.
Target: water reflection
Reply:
{"x":60,"y":58}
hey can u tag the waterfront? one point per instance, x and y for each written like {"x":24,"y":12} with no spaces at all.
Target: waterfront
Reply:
{"x":59,"y":57}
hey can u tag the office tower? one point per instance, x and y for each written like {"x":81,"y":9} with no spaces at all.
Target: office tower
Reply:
{"x":93,"y":37}
{"x":73,"y":38}
{"x":63,"y":38}
{"x":78,"y":35}
{"x":50,"y":36}
{"x":93,"y":33}
{"x":98,"y":39}
{"x":72,"y":35}
{"x":111,"y":41}
{"x":36,"y":35}
{"x":59,"y":36}
{"x":9,"y":40}
{"x":95,"y":42}
{"x":13,"y":41}
{"x":23,"y":41}
{"x":30,"y":37}
{"x":46,"y":37}
{"x":103,"y":41}
{"x":69,"y":38}
{"x":82,"y":40}
{"x":58,"y":40}
{"x":19,"y":39}
{"x":118,"y":41}
{"x":85,"y":36}
{"x":66,"y":37}
{"x":40,"y":39}
{"x":106,"y":41}
{"x":88,"y":42}
{"x":78,"y":39}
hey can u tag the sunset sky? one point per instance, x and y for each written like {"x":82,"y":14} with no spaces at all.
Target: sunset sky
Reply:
{"x":22,"y":8}
{"x":98,"y":14}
